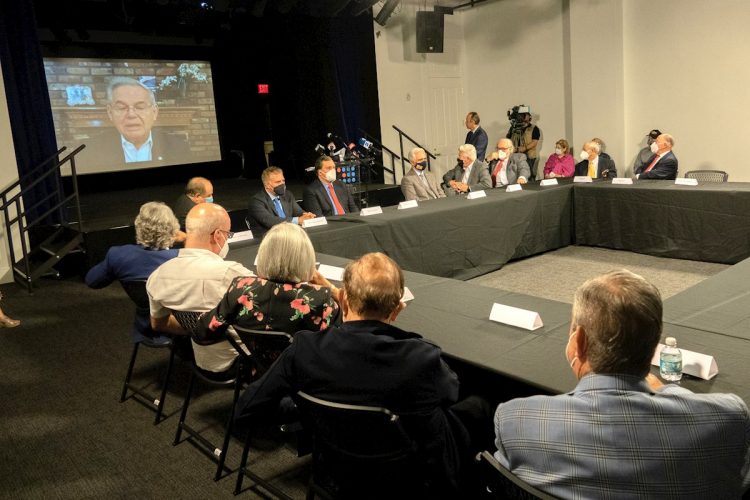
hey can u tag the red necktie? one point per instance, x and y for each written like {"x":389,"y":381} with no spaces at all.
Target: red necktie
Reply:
{"x":656,"y":158}
{"x":332,"y":192}
{"x":496,"y":172}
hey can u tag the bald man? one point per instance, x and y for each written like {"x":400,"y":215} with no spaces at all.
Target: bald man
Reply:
{"x":663,"y":163}
{"x":507,"y":166}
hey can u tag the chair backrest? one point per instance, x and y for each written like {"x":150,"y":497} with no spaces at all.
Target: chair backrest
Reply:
{"x":188,"y":320}
{"x":265,"y":345}
{"x":498,"y":482}
{"x":136,"y":290}
{"x":708,"y":175}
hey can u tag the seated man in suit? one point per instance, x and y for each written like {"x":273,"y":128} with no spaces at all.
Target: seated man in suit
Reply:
{"x":470,"y":174}
{"x":198,"y":190}
{"x":594,"y":165}
{"x":621,"y":433}
{"x":325,"y":195}
{"x":419,"y":184}
{"x":507,"y":167}
{"x":367,"y":361}
{"x":274,"y":204}
{"x":476,"y":136}
{"x":663,"y":164}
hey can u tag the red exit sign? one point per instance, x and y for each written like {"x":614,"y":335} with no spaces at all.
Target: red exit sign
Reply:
{"x":263,"y":88}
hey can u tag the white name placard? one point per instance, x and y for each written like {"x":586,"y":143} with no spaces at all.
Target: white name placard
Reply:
{"x":407,"y":296}
{"x":681,"y":181}
{"x":314,"y":222}
{"x":693,"y":363}
{"x":371,"y":211}
{"x":548,"y":182}
{"x":408,"y":204}
{"x":514,"y":316}
{"x":473,"y":195}
{"x":582,"y":178}
{"x":622,"y":180}
{"x":513,"y":187}
{"x":331,"y":272}
{"x":241,"y":236}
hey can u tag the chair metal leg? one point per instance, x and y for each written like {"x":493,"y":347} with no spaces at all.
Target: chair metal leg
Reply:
{"x":228,"y":429}
{"x":243,"y":463}
{"x":183,"y":413}
{"x":125,"y":386}
{"x":165,"y":385}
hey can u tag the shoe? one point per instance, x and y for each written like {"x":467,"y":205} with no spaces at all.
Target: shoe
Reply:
{"x":6,"y":322}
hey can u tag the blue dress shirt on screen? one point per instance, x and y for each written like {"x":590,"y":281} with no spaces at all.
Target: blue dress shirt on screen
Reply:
{"x":613,"y":437}
{"x":133,"y":154}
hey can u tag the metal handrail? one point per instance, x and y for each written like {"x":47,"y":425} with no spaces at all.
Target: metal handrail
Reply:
{"x":401,"y":135}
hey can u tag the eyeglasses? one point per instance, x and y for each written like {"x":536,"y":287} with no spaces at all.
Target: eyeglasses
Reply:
{"x":139,"y":108}
{"x":230,"y":234}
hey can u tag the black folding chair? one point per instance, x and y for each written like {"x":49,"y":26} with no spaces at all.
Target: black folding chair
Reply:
{"x":136,"y":290}
{"x":497,"y":482}
{"x":360,"y":452}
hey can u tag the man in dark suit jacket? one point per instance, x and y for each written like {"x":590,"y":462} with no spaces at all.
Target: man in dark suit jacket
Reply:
{"x":325,"y":195}
{"x":477,"y":137}
{"x":274,"y":204}
{"x":595,"y":166}
{"x":663,"y":164}
{"x":477,"y":178}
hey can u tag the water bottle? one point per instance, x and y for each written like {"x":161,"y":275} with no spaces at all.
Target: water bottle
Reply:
{"x":670,"y":361}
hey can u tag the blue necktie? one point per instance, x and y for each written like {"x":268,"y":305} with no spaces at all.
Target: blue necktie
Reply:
{"x":279,"y":210}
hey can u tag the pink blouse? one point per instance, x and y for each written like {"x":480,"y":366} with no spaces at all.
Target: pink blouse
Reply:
{"x":562,"y":167}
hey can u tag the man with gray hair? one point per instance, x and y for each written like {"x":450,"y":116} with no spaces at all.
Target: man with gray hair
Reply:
{"x":418,"y":183}
{"x":470,"y":174}
{"x":274,"y":204}
{"x":621,"y":433}
{"x":594,"y":165}
{"x":507,"y":166}
{"x":196,"y":280}
{"x":663,"y":164}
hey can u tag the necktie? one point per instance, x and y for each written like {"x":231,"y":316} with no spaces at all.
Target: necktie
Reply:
{"x":592,"y":170}
{"x":279,"y":210}
{"x":427,"y":186}
{"x":656,"y":158}
{"x":337,"y":205}
{"x":496,"y":172}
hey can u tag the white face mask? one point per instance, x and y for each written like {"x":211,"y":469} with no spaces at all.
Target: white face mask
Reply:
{"x":558,"y":151}
{"x":501,"y":154}
{"x":331,"y":175}
{"x":654,"y":147}
{"x":224,"y":250}
{"x":584,"y":155}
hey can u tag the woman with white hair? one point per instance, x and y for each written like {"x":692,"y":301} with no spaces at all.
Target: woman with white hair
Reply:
{"x":155,"y":231}
{"x":288,"y":295}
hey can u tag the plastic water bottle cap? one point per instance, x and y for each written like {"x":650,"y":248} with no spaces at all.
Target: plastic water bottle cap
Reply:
{"x":671,"y":341}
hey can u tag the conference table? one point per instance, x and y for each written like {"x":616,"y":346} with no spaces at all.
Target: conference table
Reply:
{"x":483,"y":234}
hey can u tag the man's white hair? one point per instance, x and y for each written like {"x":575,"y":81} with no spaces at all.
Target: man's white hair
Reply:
{"x":414,"y":151}
{"x":469,"y":150}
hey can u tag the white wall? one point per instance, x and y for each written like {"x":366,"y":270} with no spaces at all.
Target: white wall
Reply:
{"x":8,"y":175}
{"x":608,"y":68}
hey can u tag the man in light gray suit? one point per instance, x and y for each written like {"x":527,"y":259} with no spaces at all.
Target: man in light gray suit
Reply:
{"x":470,"y":174}
{"x":506,"y":166}
{"x":418,"y":184}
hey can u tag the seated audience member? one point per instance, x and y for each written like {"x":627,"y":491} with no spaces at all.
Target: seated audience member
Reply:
{"x":470,"y":174}
{"x":560,"y":164}
{"x":418,"y":183}
{"x":621,"y":433}
{"x":593,"y":165}
{"x":326,"y":196}
{"x":602,"y":147}
{"x":274,"y":204}
{"x":155,"y":231}
{"x":507,"y":167}
{"x":645,"y":154}
{"x":288,"y":294}
{"x":198,"y":190}
{"x":663,"y":163}
{"x":196,"y":280}
{"x":367,"y":361}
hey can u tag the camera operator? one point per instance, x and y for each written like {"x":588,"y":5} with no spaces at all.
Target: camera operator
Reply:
{"x":524,"y":135}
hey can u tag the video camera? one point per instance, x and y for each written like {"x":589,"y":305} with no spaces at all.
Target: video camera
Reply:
{"x":514,"y":116}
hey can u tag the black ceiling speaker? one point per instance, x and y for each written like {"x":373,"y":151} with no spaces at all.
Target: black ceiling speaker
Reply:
{"x":386,"y":11}
{"x":430,"y":32}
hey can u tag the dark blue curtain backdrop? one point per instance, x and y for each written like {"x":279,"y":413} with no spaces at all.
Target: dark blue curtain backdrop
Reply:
{"x":28,"y":99}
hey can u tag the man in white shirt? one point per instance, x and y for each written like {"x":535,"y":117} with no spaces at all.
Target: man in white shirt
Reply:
{"x":196,"y":280}
{"x":470,"y":173}
{"x":418,"y":183}
{"x":507,"y":166}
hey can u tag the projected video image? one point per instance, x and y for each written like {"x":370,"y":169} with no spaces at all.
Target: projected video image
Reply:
{"x":133,"y":114}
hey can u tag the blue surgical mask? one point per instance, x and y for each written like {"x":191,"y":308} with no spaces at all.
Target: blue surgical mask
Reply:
{"x":209,"y":199}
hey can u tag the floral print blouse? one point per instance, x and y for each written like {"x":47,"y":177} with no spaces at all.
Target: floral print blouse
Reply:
{"x":260,"y":304}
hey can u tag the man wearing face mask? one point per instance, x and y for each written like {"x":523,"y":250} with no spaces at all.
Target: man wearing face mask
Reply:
{"x":274,"y":204}
{"x":621,"y":426}
{"x":507,"y":167}
{"x":645,"y":154}
{"x":196,"y":280}
{"x":325,"y":196}
{"x":663,"y":162}
{"x":593,"y":165}
{"x":418,"y":183}
{"x":198,"y":190}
